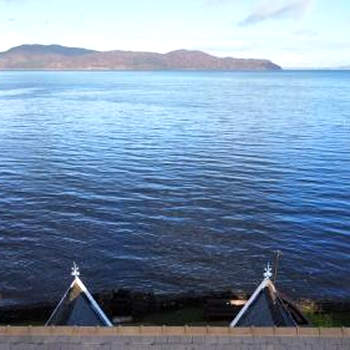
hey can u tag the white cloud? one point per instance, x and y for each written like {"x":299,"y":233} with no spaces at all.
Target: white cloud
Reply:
{"x":267,"y":9}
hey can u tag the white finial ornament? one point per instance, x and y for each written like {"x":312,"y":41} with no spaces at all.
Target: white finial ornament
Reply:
{"x":75,"y":270}
{"x":268,"y":271}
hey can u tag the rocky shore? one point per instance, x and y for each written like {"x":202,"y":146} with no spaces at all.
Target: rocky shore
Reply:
{"x":128,"y":307}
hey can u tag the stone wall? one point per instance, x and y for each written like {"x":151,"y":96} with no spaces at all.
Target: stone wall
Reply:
{"x":173,"y":338}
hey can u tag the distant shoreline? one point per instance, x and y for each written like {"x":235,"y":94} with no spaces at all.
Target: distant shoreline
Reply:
{"x":286,"y":70}
{"x":47,"y":57}
{"x":141,"y":70}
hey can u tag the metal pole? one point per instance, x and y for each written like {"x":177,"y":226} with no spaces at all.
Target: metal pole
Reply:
{"x":278,"y":253}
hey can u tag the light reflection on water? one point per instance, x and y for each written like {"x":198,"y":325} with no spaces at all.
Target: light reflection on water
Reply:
{"x":174,"y":181}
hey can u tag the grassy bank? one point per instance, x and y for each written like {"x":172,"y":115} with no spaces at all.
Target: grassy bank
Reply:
{"x":195,"y":316}
{"x":331,"y":319}
{"x":150,"y":309}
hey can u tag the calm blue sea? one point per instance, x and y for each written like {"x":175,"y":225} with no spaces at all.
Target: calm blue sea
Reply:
{"x":174,"y":181}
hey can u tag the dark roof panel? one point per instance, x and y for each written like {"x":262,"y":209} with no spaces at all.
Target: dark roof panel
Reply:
{"x":78,"y":308}
{"x":266,"y":308}
{"x":258,"y":314}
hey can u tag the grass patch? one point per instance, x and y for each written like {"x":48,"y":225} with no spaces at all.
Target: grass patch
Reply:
{"x":332,"y":319}
{"x":194,"y":316}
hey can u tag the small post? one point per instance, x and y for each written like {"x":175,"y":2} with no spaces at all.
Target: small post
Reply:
{"x":278,"y":253}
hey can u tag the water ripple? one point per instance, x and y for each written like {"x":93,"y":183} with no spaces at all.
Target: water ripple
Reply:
{"x":174,"y":182}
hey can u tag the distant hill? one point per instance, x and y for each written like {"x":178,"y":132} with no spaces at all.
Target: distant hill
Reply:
{"x":48,"y":50}
{"x":56,"y":57}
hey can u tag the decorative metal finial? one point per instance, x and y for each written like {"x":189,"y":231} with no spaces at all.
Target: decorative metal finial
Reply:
{"x":75,"y":270}
{"x":268,"y":271}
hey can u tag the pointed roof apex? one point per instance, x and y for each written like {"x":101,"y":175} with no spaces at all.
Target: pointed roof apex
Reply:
{"x":267,"y":271}
{"x":75,"y":270}
{"x":78,"y":307}
{"x":267,"y":308}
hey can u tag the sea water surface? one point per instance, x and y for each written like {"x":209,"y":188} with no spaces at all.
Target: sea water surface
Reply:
{"x":174,"y":181}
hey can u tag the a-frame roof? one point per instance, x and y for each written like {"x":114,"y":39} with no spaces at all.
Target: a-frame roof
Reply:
{"x":266,"y":308}
{"x":78,"y":307}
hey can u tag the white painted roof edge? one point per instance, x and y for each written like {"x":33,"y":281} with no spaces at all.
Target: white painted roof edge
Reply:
{"x":92,"y":301}
{"x":59,"y":304}
{"x":261,"y":286}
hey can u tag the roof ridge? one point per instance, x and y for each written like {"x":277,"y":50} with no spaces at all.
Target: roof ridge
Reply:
{"x":66,"y":307}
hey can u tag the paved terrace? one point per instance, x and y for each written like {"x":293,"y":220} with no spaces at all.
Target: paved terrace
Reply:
{"x":173,"y":338}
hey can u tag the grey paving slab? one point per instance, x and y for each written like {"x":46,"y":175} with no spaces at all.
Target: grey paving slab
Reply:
{"x":173,"y":342}
{"x":27,"y":346}
{"x":178,"y":339}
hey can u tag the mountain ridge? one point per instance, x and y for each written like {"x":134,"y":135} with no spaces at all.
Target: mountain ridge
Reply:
{"x":53,"y":48}
{"x":58,"y":57}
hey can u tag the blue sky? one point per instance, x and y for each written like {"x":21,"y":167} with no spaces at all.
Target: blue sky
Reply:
{"x":292,"y":33}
